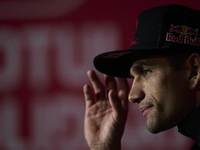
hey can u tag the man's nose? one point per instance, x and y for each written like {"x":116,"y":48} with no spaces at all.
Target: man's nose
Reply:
{"x":136,"y":94}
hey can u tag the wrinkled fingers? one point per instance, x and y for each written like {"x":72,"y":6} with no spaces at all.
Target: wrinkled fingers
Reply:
{"x":123,"y":91}
{"x":89,"y":97}
{"x":111,"y":83}
{"x":98,"y":87}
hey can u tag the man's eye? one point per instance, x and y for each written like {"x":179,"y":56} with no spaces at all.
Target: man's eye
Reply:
{"x":146,"y":72}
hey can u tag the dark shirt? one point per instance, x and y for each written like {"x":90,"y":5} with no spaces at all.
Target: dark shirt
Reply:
{"x":190,"y":127}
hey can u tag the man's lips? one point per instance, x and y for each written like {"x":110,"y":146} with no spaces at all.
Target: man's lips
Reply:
{"x":145,"y":109}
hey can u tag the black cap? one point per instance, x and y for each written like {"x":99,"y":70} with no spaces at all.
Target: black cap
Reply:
{"x":171,"y":28}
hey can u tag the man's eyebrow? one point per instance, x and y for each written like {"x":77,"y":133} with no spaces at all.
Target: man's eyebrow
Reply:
{"x":136,"y":67}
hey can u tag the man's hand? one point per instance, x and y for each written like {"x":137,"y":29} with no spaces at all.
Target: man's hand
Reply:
{"x":106,"y":112}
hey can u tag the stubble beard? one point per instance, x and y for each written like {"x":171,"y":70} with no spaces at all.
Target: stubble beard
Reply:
{"x":155,"y":123}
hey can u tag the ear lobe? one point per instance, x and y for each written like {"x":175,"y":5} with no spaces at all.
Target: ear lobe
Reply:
{"x":193,"y":82}
{"x":194,"y":65}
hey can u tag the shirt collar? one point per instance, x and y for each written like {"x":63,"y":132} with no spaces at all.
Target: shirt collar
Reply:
{"x":190,"y":126}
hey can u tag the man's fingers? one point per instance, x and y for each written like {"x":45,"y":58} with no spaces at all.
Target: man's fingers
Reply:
{"x":89,"y":97}
{"x":111,"y":83}
{"x":115,"y":102}
{"x":123,"y":87}
{"x":97,"y":85}
{"x":123,"y":91}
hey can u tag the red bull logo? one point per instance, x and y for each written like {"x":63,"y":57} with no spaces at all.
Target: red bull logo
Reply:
{"x":184,"y":30}
{"x":185,"y":36}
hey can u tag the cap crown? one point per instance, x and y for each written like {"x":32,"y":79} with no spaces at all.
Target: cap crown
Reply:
{"x":171,"y":26}
{"x":159,"y":30}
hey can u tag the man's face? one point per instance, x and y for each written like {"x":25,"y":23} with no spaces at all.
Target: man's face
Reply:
{"x":163,"y":95}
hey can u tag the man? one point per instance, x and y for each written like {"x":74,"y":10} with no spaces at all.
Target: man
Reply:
{"x":164,"y":62}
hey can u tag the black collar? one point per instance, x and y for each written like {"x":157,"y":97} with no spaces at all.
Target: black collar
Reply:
{"x":190,"y":126}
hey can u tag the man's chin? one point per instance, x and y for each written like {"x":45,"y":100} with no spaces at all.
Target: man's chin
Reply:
{"x":153,"y":131}
{"x":153,"y":127}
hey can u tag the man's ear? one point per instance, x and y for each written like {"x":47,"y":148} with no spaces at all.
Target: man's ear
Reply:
{"x":193,"y":63}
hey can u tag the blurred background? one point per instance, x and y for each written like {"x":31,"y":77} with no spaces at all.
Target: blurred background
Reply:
{"x":46,"y":48}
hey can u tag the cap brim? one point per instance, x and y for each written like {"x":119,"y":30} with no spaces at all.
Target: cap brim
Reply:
{"x":118,"y":63}
{"x":115,"y":63}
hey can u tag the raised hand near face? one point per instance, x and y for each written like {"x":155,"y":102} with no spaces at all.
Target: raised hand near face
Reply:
{"x":106,"y":111}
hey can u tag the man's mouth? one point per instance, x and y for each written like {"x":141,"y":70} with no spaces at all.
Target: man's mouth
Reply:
{"x":145,"y":109}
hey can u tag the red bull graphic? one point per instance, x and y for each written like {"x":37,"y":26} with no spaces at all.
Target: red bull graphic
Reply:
{"x":184,"y":30}
{"x":134,"y":41}
{"x":185,"y":36}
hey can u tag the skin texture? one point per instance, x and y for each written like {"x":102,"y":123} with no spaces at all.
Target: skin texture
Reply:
{"x":163,"y":91}
{"x":164,"y":96}
{"x":105,"y":116}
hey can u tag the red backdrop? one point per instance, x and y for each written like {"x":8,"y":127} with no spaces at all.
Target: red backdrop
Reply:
{"x":46,"y":47}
